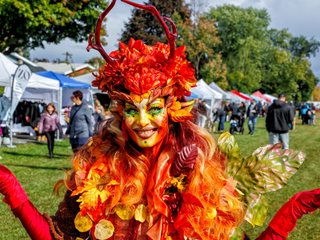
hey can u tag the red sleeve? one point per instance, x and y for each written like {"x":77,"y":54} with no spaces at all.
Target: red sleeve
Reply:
{"x":34,"y":223}
{"x":286,"y":218}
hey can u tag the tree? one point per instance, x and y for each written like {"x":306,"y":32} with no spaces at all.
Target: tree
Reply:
{"x":200,"y":38}
{"x":29,"y":23}
{"x":260,"y":58}
{"x":143,"y":25}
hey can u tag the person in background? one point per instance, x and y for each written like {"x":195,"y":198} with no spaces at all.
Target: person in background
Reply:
{"x":99,"y":115}
{"x":313,"y":109}
{"x":277,"y":121}
{"x":219,"y":114}
{"x":304,"y":109}
{"x":202,"y":110}
{"x":293,"y":109}
{"x":300,"y":108}
{"x":252,"y":115}
{"x":264,"y":109}
{"x":234,"y":109}
{"x":226,"y":109}
{"x":242,"y":111}
{"x":48,"y":124}
{"x":80,"y":124}
{"x":259,"y":104}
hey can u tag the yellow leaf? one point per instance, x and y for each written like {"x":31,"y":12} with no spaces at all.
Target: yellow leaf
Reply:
{"x":82,"y":224}
{"x":124,"y":212}
{"x":141,"y":213}
{"x":104,"y":230}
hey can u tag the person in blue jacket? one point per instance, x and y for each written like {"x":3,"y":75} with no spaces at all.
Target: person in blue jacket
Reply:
{"x":304,"y":110}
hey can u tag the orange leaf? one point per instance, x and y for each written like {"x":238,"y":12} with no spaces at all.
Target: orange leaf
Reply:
{"x":180,"y":115}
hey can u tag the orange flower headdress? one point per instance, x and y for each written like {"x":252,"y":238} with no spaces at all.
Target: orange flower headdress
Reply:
{"x":146,"y":71}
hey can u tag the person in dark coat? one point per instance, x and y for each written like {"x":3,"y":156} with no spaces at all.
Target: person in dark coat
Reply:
{"x":80,"y":125}
{"x":293,"y":109}
{"x":219,"y":114}
{"x":252,"y":115}
{"x":277,"y":121}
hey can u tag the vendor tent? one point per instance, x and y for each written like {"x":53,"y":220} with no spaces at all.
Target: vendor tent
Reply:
{"x":87,"y":78}
{"x":212,"y":97}
{"x":68,"y":86}
{"x":215,"y":87}
{"x":257,"y":99}
{"x":272,"y":98}
{"x":234,"y":98}
{"x":260,"y":95}
{"x":241,"y":95}
{"x":7,"y":68}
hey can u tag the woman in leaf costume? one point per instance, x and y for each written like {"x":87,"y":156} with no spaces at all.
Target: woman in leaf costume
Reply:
{"x":151,"y":173}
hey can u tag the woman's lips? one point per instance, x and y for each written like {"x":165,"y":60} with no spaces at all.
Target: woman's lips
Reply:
{"x":145,"y":133}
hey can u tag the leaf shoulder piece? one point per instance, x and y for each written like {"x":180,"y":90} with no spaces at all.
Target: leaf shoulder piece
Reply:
{"x":184,"y":161}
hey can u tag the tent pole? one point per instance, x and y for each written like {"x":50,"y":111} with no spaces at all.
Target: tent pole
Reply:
{"x":11,"y":117}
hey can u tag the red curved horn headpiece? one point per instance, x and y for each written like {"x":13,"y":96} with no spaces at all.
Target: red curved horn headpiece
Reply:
{"x":97,"y":46}
{"x":171,"y":36}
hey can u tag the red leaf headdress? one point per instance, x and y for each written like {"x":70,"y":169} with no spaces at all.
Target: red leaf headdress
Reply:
{"x":138,"y":68}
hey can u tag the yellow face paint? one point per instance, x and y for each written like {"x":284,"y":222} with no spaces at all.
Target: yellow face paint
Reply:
{"x":146,"y":124}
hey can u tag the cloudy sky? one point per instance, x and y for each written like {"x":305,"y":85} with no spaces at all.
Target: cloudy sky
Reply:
{"x":301,"y":17}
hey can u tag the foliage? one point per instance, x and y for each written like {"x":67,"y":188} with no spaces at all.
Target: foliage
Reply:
{"x":144,"y":26}
{"x":260,"y":58}
{"x":93,"y":61}
{"x":29,"y":23}
{"x":200,"y":39}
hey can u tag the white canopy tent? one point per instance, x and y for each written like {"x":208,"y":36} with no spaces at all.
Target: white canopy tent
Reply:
{"x":215,"y":87}
{"x":87,"y":78}
{"x":212,"y":97}
{"x":258,"y":99}
{"x":272,"y":98}
{"x":234,"y":98}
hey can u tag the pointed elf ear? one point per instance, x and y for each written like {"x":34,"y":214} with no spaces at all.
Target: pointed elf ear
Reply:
{"x":180,"y":112}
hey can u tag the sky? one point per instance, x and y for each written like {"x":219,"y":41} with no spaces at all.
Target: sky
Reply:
{"x":301,"y":17}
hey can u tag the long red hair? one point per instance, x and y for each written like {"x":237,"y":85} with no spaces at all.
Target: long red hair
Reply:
{"x":130,"y":168}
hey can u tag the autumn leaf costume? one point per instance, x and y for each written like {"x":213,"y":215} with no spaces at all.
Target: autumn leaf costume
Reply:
{"x":151,"y":173}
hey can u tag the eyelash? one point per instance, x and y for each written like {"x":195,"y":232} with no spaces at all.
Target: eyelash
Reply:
{"x":131,"y":111}
{"x":155,"y":110}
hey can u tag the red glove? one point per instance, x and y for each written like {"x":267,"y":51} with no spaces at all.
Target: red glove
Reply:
{"x":286,"y":218}
{"x":34,"y":223}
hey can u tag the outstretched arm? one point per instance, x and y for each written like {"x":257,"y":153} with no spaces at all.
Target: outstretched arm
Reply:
{"x":17,"y":199}
{"x":286,"y":218}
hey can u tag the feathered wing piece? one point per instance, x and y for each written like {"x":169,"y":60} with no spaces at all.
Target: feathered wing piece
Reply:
{"x":267,"y":169}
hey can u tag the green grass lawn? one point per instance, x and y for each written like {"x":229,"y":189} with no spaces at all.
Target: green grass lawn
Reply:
{"x":38,"y":174}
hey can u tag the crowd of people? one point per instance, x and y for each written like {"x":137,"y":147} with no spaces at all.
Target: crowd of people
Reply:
{"x":280,"y":117}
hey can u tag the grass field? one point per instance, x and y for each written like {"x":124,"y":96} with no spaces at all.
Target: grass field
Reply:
{"x":37,"y":175}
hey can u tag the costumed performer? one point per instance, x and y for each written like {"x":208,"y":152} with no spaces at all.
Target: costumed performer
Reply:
{"x":151,"y":173}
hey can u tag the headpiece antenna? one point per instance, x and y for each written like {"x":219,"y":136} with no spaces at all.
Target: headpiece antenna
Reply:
{"x":97,"y":46}
{"x":171,"y":36}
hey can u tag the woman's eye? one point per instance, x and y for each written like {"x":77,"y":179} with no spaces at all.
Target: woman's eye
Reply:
{"x":131,"y":111}
{"x":155,"y":110}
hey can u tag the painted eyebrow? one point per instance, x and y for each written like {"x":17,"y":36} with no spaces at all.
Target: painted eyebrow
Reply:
{"x":154,"y":100}
{"x":129,"y":105}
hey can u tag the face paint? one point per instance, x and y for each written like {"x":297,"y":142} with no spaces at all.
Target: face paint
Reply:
{"x":146,"y":124}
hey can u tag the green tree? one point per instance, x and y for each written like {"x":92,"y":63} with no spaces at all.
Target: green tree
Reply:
{"x":200,"y":38}
{"x":29,"y":23}
{"x":260,"y":58}
{"x":143,"y":25}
